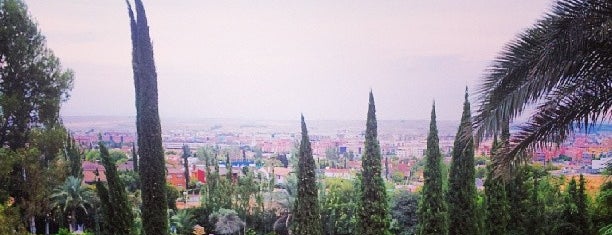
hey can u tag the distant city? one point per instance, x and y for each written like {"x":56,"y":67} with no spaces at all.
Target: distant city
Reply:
{"x":402,"y":141}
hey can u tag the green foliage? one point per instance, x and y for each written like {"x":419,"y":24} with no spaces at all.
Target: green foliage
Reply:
{"x":339,"y":206}
{"x":131,"y":179}
{"x":8,"y":216}
{"x":575,"y":208}
{"x":433,"y":215}
{"x":73,"y":154}
{"x":226,"y":221}
{"x":182,"y":221}
{"x":148,"y":127}
{"x":33,"y":84}
{"x":602,"y":215}
{"x":496,"y":200}
{"x":404,"y":208}
{"x":33,"y":81}
{"x":71,"y":197}
{"x":64,"y":231}
{"x":582,"y":203}
{"x":115,"y":207}
{"x":172,"y":194}
{"x":461,"y":194}
{"x":373,"y":209}
{"x":115,"y":156}
{"x":245,"y":190}
{"x":134,"y":157}
{"x":496,"y":204}
{"x":518,"y":200}
{"x":306,"y":214}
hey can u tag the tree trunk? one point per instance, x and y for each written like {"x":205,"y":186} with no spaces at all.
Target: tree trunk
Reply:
{"x":33,"y":225}
{"x":73,"y":221}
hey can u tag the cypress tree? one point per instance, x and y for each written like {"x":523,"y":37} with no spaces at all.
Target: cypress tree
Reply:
{"x":186,"y":154}
{"x":518,"y":201}
{"x":134,"y":157}
{"x":496,"y":202}
{"x":536,"y":223}
{"x":373,"y":214}
{"x":117,"y":212}
{"x":462,"y":188}
{"x":307,"y":217}
{"x":148,"y":127}
{"x":106,"y":209}
{"x":583,"y":218}
{"x":433,"y":209}
{"x":74,"y":157}
{"x":570,"y":208}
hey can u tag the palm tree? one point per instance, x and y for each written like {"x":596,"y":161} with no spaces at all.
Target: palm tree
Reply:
{"x":183,"y":221}
{"x":562,"y":68}
{"x":70,"y":197}
{"x":226,"y":221}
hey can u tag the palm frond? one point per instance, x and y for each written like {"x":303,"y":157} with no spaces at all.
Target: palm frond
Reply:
{"x":580,"y":106}
{"x":563,"y":65}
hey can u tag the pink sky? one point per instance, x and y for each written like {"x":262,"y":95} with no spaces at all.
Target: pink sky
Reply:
{"x":276,"y":59}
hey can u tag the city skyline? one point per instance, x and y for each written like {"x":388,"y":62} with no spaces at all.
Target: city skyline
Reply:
{"x":273,"y":61}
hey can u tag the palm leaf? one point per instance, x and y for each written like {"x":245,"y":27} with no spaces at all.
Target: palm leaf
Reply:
{"x":562,"y":66}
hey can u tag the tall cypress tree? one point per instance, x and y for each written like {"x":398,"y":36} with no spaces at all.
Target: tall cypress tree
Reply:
{"x":117,"y":212}
{"x":74,"y":157}
{"x":134,"y":157}
{"x":373,"y":214}
{"x":518,"y":201}
{"x":148,"y":127}
{"x":186,"y":154}
{"x":307,"y":217}
{"x":496,"y":202}
{"x":583,"y":218}
{"x":462,"y":188}
{"x":433,"y":209}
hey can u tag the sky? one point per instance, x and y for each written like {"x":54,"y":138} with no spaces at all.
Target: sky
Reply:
{"x":273,"y":60}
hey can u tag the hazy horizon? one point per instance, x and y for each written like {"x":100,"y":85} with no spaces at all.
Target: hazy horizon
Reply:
{"x":274,"y":60}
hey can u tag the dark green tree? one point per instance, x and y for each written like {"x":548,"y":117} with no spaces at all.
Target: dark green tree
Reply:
{"x":496,"y":203}
{"x":536,"y":221}
{"x":106,"y":210}
{"x":373,"y":213}
{"x":583,"y":221}
{"x":404,"y":212}
{"x":72,"y":197}
{"x":570,"y":208}
{"x":172,"y":194}
{"x":186,"y":154}
{"x":148,"y":127}
{"x":306,"y":214}
{"x":227,"y":185}
{"x":496,"y":200}
{"x":32,"y":81}
{"x":602,"y":216}
{"x":518,"y":200}
{"x":562,"y":66}
{"x":119,"y":217}
{"x":462,"y":186}
{"x":33,"y":84}
{"x":433,"y":214}
{"x":135,"y":157}
{"x":74,"y":157}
